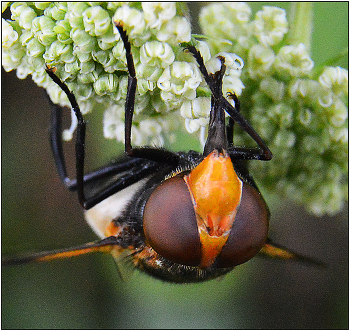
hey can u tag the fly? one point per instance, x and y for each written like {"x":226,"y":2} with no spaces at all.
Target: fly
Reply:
{"x":179,"y":216}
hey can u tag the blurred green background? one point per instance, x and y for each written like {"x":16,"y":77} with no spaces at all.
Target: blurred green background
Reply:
{"x":86,"y":292}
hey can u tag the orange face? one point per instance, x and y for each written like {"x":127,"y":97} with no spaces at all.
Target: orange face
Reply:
{"x":216,"y":192}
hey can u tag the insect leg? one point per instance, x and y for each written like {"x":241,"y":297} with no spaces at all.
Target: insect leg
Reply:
{"x":57,"y":150}
{"x":80,"y":140}
{"x":231,"y":122}
{"x":107,"y":171}
{"x":263,"y":152}
{"x":153,"y":154}
{"x":137,"y":168}
{"x":242,"y":153}
{"x":208,"y":78}
{"x":58,"y":154}
{"x":134,"y":176}
{"x":56,"y":143}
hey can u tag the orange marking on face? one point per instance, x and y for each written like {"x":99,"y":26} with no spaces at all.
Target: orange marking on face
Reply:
{"x":216,"y":193}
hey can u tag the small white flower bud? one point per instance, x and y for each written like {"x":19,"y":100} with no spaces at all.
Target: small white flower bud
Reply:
{"x":181,"y":79}
{"x":197,"y":108}
{"x":107,"y":83}
{"x":22,"y":13}
{"x":96,"y":21}
{"x":157,"y":13}
{"x":260,"y":60}
{"x":193,"y":125}
{"x":335,"y":79}
{"x":134,"y":22}
{"x":9,"y":35}
{"x":157,"y":54}
{"x":270,"y":25}
{"x":338,"y":112}
{"x":293,"y":61}
{"x":43,"y":29}
{"x":177,"y":30}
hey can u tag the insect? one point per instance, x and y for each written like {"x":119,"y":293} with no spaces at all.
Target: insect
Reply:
{"x":181,"y":217}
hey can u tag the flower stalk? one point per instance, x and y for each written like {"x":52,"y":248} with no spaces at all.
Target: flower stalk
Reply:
{"x":301,"y":24}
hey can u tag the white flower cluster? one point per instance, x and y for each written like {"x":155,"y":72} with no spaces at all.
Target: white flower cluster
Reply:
{"x":81,"y":41}
{"x":301,"y":112}
{"x":301,"y":115}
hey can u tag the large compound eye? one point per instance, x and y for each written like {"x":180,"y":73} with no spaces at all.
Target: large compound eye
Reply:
{"x":169,"y":223}
{"x":249,"y":230}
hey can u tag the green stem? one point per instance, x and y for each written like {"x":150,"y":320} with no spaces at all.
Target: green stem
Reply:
{"x":301,"y":24}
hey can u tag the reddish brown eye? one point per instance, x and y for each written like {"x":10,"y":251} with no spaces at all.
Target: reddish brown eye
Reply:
{"x":169,"y":223}
{"x":249,"y":230}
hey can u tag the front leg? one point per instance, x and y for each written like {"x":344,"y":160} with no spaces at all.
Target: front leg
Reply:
{"x":80,"y":140}
{"x":153,"y":154}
